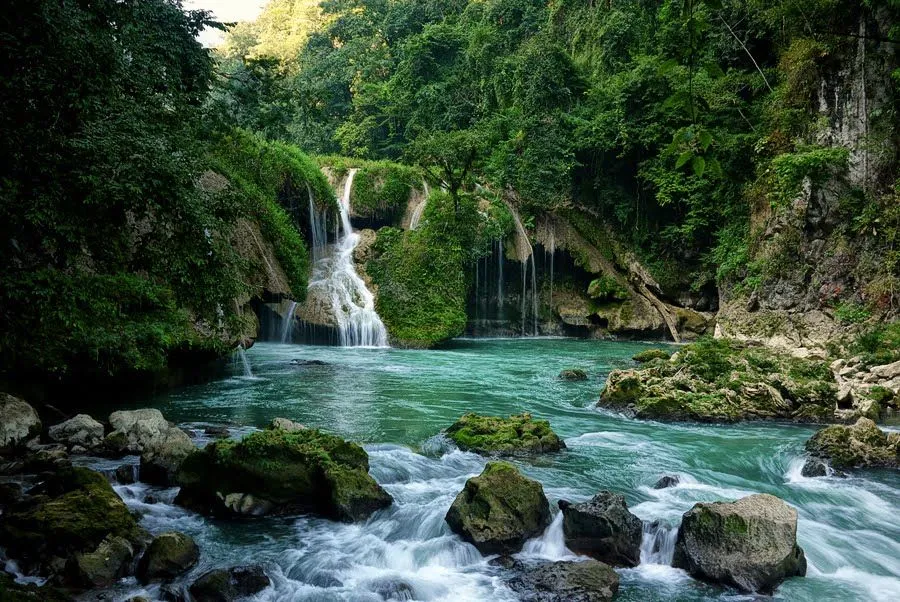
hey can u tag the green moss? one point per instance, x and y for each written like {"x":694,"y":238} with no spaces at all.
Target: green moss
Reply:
{"x":879,"y":344}
{"x":649,"y":355}
{"x":860,"y":445}
{"x":607,"y":288}
{"x":307,"y":470}
{"x":492,"y":434}
{"x":79,"y":511}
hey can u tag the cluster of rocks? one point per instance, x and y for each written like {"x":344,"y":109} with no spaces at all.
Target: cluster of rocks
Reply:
{"x":67,"y":523}
{"x":867,"y":391}
{"x":723,"y":381}
{"x":750,"y":544}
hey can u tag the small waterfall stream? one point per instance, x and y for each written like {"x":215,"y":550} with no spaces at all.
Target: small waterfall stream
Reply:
{"x":287,"y":324}
{"x":420,"y":208}
{"x":658,"y":543}
{"x":241,"y":357}
{"x":335,"y":278}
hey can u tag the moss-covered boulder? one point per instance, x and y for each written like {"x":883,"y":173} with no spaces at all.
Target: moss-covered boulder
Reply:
{"x":73,"y":512}
{"x":573,"y":374}
{"x":280,"y":472}
{"x":603,"y":528}
{"x":858,"y":446}
{"x":518,"y":434}
{"x":499,"y":510}
{"x":750,"y":544}
{"x":169,"y":555}
{"x":716,"y":380}
{"x":651,"y":354}
{"x":101,"y":568}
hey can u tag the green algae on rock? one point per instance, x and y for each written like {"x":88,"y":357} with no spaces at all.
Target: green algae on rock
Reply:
{"x":861,"y":445}
{"x":518,"y":434}
{"x":573,"y":374}
{"x":725,"y":381}
{"x":650,"y":355}
{"x":499,"y":510}
{"x":75,"y":512}
{"x":281,"y":472}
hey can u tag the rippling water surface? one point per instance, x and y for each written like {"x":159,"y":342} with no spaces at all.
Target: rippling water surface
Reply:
{"x":396,"y":401}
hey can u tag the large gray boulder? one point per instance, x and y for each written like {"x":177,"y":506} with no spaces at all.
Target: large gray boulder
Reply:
{"x":168,"y":556}
{"x":163,"y":457}
{"x":582,"y":581}
{"x":19,"y":423}
{"x":81,"y":430}
{"x":135,"y":431}
{"x":750,"y":544}
{"x":499,"y":510}
{"x":604,"y":529}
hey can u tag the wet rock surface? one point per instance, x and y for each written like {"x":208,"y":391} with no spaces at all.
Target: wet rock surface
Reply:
{"x":604,"y":529}
{"x":518,"y":434}
{"x":499,"y":510}
{"x":862,"y":445}
{"x":227,"y":585}
{"x":750,"y":544}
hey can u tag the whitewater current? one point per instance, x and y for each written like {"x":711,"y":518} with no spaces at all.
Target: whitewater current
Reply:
{"x":396,"y":402}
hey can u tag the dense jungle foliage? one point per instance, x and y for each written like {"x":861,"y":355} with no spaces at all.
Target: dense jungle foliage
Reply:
{"x":667,"y":120}
{"x":115,"y":253}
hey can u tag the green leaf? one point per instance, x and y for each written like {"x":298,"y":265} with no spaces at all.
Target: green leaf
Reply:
{"x":699,"y":166}
{"x":705,"y":139}
{"x":683,"y":158}
{"x":714,"y":167}
{"x":713,"y":70}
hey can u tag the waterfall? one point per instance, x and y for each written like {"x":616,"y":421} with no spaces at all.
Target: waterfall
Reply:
{"x":288,"y":322}
{"x":241,"y":356}
{"x":552,"y":257}
{"x":317,"y":227}
{"x":500,"y":295}
{"x":335,"y":278}
{"x":525,"y":255}
{"x":420,"y":208}
{"x":658,"y":543}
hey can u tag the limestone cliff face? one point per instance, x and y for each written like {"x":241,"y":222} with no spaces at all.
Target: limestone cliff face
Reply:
{"x":821,"y":261}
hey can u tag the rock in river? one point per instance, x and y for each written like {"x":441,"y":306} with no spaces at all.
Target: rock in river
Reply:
{"x":518,"y":434}
{"x":226,"y":585}
{"x":499,"y":510}
{"x":750,"y":544}
{"x":860,"y":445}
{"x":169,"y":555}
{"x":82,"y":430}
{"x":604,"y":529}
{"x":582,"y":581}
{"x":280,"y":472}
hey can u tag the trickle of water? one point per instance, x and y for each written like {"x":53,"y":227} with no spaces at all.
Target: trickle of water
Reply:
{"x":352,"y":304}
{"x":288,"y":322}
{"x":551,"y":544}
{"x":658,"y":543}
{"x":317,"y":223}
{"x":241,"y":355}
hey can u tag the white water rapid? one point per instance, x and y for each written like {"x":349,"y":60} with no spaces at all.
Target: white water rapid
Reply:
{"x":335,"y":278}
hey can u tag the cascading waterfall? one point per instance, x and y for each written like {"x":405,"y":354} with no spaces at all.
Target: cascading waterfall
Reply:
{"x":658,"y":543}
{"x":420,"y":208}
{"x":287,"y":324}
{"x":335,"y":278}
{"x":525,"y":255}
{"x":317,"y":221}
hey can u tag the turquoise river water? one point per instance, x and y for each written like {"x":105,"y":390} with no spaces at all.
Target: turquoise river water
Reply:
{"x":395,"y":402}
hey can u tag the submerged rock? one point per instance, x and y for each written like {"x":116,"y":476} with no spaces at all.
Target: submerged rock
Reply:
{"x":72,"y":512}
{"x":814,"y":467}
{"x":573,"y":374}
{"x":168,"y":556}
{"x":604,"y":529}
{"x":499,"y":510}
{"x":750,"y":544}
{"x":518,"y":434}
{"x":581,"y":581}
{"x":19,"y":423}
{"x":283,"y":472}
{"x":667,"y":481}
{"x":227,"y":585}
{"x":651,"y":354}
{"x":216,"y":431}
{"x":860,"y":445}
{"x":82,"y":430}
